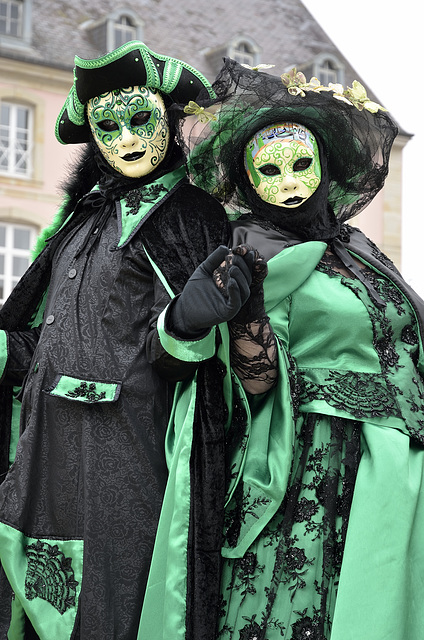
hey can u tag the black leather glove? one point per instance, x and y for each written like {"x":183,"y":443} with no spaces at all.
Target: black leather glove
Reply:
{"x":203,"y":303}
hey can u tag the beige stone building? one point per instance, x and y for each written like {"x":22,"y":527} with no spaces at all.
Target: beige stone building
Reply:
{"x":38,"y":41}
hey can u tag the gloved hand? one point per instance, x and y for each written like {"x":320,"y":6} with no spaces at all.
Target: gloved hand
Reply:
{"x":203,"y":302}
{"x":254,"y":309}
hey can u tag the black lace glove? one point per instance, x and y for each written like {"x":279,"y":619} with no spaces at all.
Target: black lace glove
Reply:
{"x":253,"y":343}
{"x":203,"y":303}
{"x":254,"y":308}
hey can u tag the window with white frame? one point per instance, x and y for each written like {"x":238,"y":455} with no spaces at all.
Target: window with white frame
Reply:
{"x":115,"y":29}
{"x":124,"y":30}
{"x":16,"y":242}
{"x":328,"y":72}
{"x":15,"y":139}
{"x":244,"y":53}
{"x":11,"y":18}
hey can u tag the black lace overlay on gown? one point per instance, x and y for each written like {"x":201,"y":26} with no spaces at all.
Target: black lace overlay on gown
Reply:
{"x":316,"y":508}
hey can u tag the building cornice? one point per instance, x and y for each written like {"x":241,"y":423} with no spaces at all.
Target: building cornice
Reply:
{"x":34,"y":75}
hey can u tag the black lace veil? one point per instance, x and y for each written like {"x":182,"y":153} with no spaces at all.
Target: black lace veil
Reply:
{"x":354,"y":144}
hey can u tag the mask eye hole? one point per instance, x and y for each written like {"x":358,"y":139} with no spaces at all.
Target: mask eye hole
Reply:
{"x":140,"y":118}
{"x":302,"y":164}
{"x":269,"y":170}
{"x":108,"y":125}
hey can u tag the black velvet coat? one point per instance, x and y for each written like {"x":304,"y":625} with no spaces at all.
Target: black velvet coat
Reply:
{"x":90,"y":461}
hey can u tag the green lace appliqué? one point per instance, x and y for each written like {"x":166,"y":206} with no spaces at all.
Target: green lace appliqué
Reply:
{"x":362,"y":395}
{"x":134,"y":198}
{"x":50,"y":576}
{"x":88,"y":392}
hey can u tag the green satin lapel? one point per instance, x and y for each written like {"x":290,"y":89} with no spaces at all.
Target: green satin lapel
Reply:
{"x":299,"y":261}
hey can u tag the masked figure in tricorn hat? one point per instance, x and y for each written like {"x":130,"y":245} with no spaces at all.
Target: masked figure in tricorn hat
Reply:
{"x":82,"y":346}
{"x":325,"y":512}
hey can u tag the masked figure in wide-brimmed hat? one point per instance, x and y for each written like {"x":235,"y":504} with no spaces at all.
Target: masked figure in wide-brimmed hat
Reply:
{"x":80,"y":336}
{"x":325,"y":513}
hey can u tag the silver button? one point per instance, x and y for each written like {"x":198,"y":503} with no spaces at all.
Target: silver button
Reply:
{"x":72,"y":273}
{"x":50,"y":319}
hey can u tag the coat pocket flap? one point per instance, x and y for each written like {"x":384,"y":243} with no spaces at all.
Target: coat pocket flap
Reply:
{"x":89,"y":391}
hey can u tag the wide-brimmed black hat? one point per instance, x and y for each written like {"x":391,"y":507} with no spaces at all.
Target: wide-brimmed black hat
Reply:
{"x":131,"y":64}
{"x":356,"y":134}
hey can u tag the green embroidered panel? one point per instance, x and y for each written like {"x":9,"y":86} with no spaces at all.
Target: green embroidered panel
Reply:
{"x":45,"y":575}
{"x":138,"y":203}
{"x":87,"y":391}
{"x":50,"y":576}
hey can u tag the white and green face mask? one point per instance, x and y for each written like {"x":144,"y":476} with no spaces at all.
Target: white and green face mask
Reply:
{"x":282,"y":163}
{"x":130,"y":127}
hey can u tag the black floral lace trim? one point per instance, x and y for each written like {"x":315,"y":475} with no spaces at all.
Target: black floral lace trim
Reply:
{"x":255,"y":631}
{"x":409,"y":335}
{"x":380,"y":256}
{"x":87,"y":391}
{"x":362,"y":395}
{"x":346,"y":231}
{"x":134,"y":198}
{"x":332,"y":266}
{"x":50,"y":576}
{"x":383,"y":339}
{"x":295,"y":384}
{"x":386,"y":289}
{"x":233,"y":518}
{"x":243,"y":506}
{"x":327,"y":474}
{"x":386,"y":350}
{"x":294,"y":565}
{"x":415,"y":400}
{"x":307,"y":628}
{"x":248,"y":570}
{"x":416,"y":406}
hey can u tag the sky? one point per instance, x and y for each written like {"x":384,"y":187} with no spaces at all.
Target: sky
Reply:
{"x":384,"y":43}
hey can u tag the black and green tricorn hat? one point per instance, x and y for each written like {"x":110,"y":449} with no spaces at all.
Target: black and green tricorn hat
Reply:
{"x":131,"y":64}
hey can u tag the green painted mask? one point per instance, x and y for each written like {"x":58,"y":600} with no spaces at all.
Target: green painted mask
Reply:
{"x":130,"y":127}
{"x":282,"y":163}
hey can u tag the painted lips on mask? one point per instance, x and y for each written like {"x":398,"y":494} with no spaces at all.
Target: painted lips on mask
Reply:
{"x":132,"y":157}
{"x":292,"y":201}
